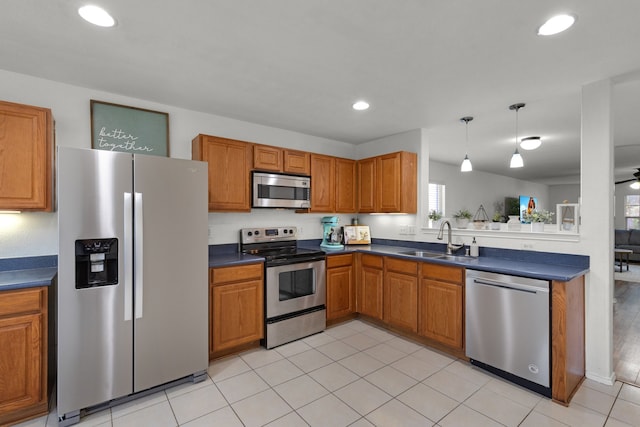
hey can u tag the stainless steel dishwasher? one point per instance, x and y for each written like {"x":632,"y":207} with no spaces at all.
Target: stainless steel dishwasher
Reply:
{"x":507,"y":327}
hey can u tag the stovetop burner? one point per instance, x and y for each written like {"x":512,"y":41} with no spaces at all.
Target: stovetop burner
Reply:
{"x":277,"y":245}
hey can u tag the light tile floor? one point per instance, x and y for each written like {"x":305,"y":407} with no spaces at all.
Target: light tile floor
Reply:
{"x":358,"y":375}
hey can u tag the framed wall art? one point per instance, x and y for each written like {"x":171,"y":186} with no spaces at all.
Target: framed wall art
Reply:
{"x":128,"y":129}
{"x":568,"y":217}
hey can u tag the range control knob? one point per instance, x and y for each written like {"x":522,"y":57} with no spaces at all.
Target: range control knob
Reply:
{"x":291,"y":231}
{"x":257,"y":232}
{"x":249,"y":234}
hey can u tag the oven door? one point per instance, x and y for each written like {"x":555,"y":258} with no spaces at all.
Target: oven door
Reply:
{"x":294,"y":287}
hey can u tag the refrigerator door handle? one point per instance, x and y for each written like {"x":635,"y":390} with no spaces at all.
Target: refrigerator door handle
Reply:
{"x":128,"y":248}
{"x":138,"y":261}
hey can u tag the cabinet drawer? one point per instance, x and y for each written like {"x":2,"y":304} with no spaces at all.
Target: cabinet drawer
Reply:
{"x":339,"y":260}
{"x":372,"y":261}
{"x":21,"y":301}
{"x":236,"y":273}
{"x":402,"y":266}
{"x":443,"y":272}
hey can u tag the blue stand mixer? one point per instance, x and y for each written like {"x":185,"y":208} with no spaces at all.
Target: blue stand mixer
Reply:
{"x":332,"y":234}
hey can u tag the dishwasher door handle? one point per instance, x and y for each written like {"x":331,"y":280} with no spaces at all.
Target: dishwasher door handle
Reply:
{"x":514,"y":286}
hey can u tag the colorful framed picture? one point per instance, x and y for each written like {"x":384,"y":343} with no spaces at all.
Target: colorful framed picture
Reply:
{"x":128,"y":129}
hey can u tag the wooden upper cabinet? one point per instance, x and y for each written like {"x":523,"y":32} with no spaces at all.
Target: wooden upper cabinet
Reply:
{"x":229,"y":171}
{"x":388,"y":183}
{"x":345,"y":185}
{"x":267,"y":158}
{"x":323,"y":181}
{"x":397,"y":183}
{"x":26,"y":157}
{"x":297,"y":162}
{"x":367,"y":185}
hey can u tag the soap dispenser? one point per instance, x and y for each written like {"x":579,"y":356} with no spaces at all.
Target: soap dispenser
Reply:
{"x":475,"y":251}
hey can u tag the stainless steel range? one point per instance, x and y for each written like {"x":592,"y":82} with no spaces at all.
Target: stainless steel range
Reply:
{"x":295,"y":283}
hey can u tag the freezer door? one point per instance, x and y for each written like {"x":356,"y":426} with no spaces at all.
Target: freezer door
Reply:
{"x":171,"y":270}
{"x":95,"y":330}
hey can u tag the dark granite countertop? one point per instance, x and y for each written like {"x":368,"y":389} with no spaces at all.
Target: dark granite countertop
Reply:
{"x":537,"y":265}
{"x":230,"y":259}
{"x":29,"y":278}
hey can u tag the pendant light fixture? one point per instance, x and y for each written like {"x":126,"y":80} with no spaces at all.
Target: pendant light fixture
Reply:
{"x":516,"y":159}
{"x":466,"y":163}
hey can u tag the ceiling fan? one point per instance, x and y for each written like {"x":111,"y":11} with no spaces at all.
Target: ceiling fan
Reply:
{"x":636,"y":177}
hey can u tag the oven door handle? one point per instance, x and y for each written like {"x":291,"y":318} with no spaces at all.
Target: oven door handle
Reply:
{"x":284,"y":261}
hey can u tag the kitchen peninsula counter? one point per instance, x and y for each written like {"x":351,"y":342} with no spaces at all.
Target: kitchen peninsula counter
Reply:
{"x":537,"y":265}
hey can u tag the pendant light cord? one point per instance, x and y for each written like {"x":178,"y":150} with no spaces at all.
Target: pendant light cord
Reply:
{"x":517,"y":108}
{"x":466,"y":127}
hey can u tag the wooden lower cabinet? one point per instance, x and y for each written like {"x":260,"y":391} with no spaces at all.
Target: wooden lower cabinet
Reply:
{"x":341,"y":300}
{"x":371,"y":281}
{"x":23,"y":354}
{"x":567,"y":338}
{"x":236,"y":307}
{"x":401,"y":293}
{"x":441,"y":302}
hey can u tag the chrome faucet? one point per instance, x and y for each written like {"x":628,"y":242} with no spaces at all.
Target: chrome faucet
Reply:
{"x":450,"y":246}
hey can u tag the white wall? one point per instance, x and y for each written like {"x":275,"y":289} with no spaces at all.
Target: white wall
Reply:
{"x":560,"y":193}
{"x":596,"y":230}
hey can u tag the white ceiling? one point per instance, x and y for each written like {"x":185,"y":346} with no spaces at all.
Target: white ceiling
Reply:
{"x":299,"y":65}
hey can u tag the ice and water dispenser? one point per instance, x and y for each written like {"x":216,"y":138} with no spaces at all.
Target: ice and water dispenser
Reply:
{"x":96,"y":263}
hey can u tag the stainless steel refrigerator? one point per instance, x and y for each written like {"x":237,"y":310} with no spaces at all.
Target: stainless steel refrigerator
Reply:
{"x":132,"y":275}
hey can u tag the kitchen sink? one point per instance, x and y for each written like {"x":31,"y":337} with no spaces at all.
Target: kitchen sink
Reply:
{"x":457,"y":258}
{"x":422,"y":254}
{"x":437,"y":255}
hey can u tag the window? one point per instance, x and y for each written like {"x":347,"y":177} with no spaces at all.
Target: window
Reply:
{"x":631,"y":211}
{"x":436,"y":198}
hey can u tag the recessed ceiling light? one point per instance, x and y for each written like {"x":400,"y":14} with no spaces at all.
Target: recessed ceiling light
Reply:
{"x":530,"y":143}
{"x":96,"y":15}
{"x":556,"y":24}
{"x":360,"y":105}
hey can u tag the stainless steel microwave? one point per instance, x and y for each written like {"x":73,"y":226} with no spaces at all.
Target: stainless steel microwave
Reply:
{"x":272,"y":190}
